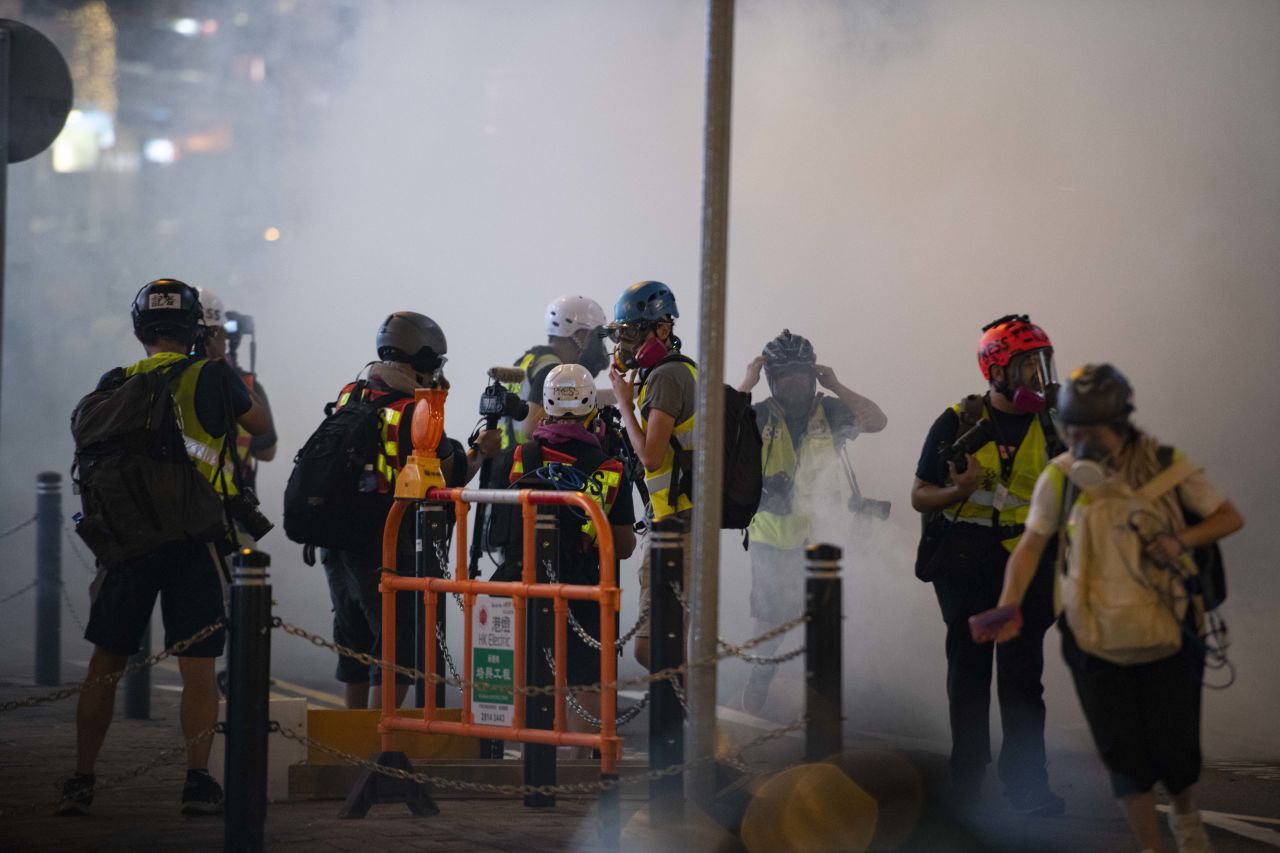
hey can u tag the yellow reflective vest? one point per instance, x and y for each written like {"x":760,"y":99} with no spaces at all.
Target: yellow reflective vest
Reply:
{"x":532,"y":363}
{"x":204,"y":449}
{"x":658,"y":481}
{"x":1000,"y":504}
{"x":804,"y":467}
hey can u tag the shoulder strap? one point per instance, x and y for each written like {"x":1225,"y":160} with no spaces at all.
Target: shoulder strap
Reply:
{"x":1167,"y":479}
{"x":531,"y":456}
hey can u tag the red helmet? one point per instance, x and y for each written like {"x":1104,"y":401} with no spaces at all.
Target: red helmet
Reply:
{"x":1010,"y":336}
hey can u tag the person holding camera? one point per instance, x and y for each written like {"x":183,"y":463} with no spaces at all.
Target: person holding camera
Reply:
{"x":974,"y":495}
{"x":573,"y":325}
{"x":188,"y":576}
{"x":651,"y":377}
{"x":226,"y":331}
{"x":411,"y":348}
{"x":803,"y":433}
{"x":564,"y":441}
{"x":1141,"y":682}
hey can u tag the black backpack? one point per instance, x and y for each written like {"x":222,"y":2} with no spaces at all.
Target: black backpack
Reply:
{"x":743,"y":446}
{"x":139,"y":490}
{"x":504,"y":527}
{"x":323,"y":504}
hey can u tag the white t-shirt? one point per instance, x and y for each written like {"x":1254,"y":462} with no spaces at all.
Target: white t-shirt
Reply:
{"x":1197,"y":494}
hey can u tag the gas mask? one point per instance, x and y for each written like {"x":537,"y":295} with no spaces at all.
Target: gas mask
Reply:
{"x":794,"y":389}
{"x":1033,"y":387}
{"x":1088,"y":467}
{"x":593,"y":355}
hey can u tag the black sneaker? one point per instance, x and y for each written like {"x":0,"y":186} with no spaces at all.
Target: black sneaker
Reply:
{"x":1042,"y":803}
{"x":77,"y":795}
{"x":201,"y":795}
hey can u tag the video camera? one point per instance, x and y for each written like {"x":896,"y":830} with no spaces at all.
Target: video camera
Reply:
{"x":498,"y":402}
{"x":966,"y":445}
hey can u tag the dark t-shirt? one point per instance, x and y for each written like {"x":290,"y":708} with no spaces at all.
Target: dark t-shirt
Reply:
{"x":210,"y":402}
{"x":269,"y":438}
{"x":931,"y":468}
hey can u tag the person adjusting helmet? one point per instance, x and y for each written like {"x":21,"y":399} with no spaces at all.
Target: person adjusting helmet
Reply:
{"x":1016,"y":357}
{"x":574,"y":326}
{"x":806,"y":478}
{"x":568,"y":391}
{"x":973,"y":486}
{"x":407,"y":337}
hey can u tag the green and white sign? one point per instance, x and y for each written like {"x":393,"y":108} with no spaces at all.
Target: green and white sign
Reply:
{"x":493,"y":626}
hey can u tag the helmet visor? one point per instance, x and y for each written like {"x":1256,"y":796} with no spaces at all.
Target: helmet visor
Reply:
{"x":1033,"y":370}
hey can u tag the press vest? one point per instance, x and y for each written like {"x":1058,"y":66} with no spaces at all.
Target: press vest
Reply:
{"x":532,"y":363}
{"x":817,"y":453}
{"x":658,"y":481}
{"x":204,"y":449}
{"x":608,"y":476}
{"x":387,"y":463}
{"x":984,"y":506}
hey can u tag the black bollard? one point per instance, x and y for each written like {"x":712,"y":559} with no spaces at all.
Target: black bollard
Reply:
{"x":429,"y":528}
{"x":540,"y":711}
{"x":48,"y":578}
{"x":824,"y":732}
{"x":137,"y":685}
{"x":666,"y":649}
{"x":249,"y":669}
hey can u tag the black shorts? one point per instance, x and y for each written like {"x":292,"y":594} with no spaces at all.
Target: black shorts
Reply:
{"x":357,"y":613}
{"x":189,"y":578}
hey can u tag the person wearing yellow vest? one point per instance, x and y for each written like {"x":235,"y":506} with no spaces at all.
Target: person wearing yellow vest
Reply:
{"x":411,"y":348}
{"x":188,"y":577}
{"x":803,"y":431}
{"x":564,"y":439}
{"x":573,"y":325}
{"x":973,"y":520}
{"x":656,"y":389}
{"x":1144,"y":717}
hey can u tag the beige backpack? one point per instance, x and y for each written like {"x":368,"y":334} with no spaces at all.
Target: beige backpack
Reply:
{"x":1120,"y":605}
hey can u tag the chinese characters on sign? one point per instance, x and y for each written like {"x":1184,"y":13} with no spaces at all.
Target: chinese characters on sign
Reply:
{"x":493,"y":661}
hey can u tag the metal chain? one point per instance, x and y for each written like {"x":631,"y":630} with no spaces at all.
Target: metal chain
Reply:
{"x":62,"y":693}
{"x":582,"y":632}
{"x":12,"y":530}
{"x":577,"y":707}
{"x":755,"y":660}
{"x":442,"y":560}
{"x":75,"y":549}
{"x":11,"y":596}
{"x":66,"y":599}
{"x":526,"y":790}
{"x":448,"y":658}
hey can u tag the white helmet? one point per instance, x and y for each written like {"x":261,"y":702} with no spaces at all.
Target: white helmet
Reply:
{"x":569,"y":390}
{"x":214,"y":314}
{"x":570,"y":314}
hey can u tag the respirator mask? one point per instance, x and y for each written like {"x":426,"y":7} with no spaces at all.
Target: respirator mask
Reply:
{"x":636,"y":349}
{"x":591,"y":352}
{"x":794,"y":387}
{"x":1088,"y":466}
{"x":1036,"y":382}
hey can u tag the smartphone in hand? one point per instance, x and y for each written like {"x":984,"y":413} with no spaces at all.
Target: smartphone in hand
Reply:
{"x":985,"y":626}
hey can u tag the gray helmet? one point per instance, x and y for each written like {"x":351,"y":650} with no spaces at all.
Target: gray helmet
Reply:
{"x":788,"y":350}
{"x":1095,"y":394}
{"x":414,"y":339}
{"x":167,"y":308}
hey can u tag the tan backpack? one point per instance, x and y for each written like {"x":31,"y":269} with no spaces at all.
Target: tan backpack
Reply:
{"x":1121,"y":606}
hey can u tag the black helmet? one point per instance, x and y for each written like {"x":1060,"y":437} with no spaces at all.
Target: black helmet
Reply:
{"x":414,"y":339}
{"x":788,"y":350}
{"x":1095,"y":394}
{"x":167,"y":308}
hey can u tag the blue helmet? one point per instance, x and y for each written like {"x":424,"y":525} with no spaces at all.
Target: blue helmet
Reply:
{"x":645,"y":301}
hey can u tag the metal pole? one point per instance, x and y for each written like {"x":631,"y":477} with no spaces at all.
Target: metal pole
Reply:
{"x":824,"y":732}
{"x":438,"y":531}
{"x":48,"y":577}
{"x":540,"y":711}
{"x":137,"y":685}
{"x":666,"y":649}
{"x":249,"y":667}
{"x":419,"y":605}
{"x":708,"y":439}
{"x":6,"y":45}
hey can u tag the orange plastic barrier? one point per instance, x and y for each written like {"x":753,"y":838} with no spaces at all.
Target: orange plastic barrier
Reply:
{"x":425,"y":483}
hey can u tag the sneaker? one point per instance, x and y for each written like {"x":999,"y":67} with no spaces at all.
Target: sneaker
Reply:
{"x":77,"y":795}
{"x":201,"y":795}
{"x":1188,"y":832}
{"x":754,"y":695}
{"x":1042,"y":803}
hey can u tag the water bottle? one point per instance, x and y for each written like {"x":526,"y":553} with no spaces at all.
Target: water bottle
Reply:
{"x":368,"y":479}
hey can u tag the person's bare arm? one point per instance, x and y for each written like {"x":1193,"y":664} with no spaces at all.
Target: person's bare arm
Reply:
{"x":255,"y":421}
{"x":1018,"y":572}
{"x":867,"y":416}
{"x":624,"y":540}
{"x":927,"y":497}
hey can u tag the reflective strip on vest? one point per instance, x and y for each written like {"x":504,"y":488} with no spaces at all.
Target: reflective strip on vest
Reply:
{"x":387,"y":463}
{"x":658,"y":481}
{"x":817,"y":454}
{"x":608,"y":476}
{"x":1031,"y":458}
{"x":203,"y":448}
{"x":509,"y":434}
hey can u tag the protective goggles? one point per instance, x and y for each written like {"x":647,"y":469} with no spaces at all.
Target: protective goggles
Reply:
{"x":626,"y":333}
